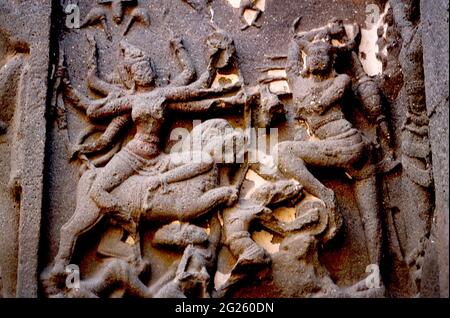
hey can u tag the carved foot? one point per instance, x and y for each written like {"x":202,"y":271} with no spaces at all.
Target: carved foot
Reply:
{"x":252,"y":255}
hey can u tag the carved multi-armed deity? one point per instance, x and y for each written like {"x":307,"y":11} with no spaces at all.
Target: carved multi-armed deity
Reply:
{"x":137,"y":182}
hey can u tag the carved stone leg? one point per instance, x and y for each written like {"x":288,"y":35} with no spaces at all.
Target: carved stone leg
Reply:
{"x":69,"y":234}
{"x":366,"y":195}
{"x":292,"y":165}
{"x":115,"y":272}
{"x":85,"y":217}
{"x":207,"y":202}
{"x":113,"y":174}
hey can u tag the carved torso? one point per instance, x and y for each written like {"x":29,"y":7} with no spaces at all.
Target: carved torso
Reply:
{"x":327,"y":120}
{"x":148,"y":116}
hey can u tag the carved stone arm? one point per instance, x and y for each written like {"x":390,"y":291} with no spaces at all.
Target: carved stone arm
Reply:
{"x":76,"y":98}
{"x":353,"y":44}
{"x":109,"y":107}
{"x":97,"y":84}
{"x":191,"y":92}
{"x":321,"y":102}
{"x":211,"y":104}
{"x":282,"y":228}
{"x":188,"y":73}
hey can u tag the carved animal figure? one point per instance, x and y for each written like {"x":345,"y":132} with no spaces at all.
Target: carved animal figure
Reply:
{"x":154,"y":198}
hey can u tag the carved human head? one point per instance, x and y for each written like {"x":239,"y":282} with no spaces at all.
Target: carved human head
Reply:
{"x":320,"y":48}
{"x":136,"y":67}
{"x":319,"y":59}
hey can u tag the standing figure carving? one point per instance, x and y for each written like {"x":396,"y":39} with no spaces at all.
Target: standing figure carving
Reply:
{"x":319,"y":96}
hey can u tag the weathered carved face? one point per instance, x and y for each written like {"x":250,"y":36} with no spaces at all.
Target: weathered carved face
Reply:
{"x":142,"y":73}
{"x":136,"y":67}
{"x":319,"y":58}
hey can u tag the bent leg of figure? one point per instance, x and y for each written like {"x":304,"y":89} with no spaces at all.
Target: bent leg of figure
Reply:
{"x":246,"y":250}
{"x":134,"y":285}
{"x":113,"y":174}
{"x":116,"y":272}
{"x":187,"y":165}
{"x":69,"y":234}
{"x":366,"y":195}
{"x":85,"y":217}
{"x":197,"y":207}
{"x":292,"y":157}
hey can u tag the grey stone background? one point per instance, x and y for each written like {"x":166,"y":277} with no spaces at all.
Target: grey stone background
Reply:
{"x":47,"y":191}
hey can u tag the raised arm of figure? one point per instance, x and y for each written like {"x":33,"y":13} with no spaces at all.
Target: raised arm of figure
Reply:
{"x":294,"y":64}
{"x":114,"y":129}
{"x":77,"y":99}
{"x":211,"y":104}
{"x":188,"y":73}
{"x":282,"y":228}
{"x":98,"y":85}
{"x":94,"y":81}
{"x":334,"y":93}
{"x":192,"y":92}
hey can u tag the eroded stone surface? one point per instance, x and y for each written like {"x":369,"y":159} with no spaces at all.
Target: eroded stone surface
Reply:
{"x":222,"y":148}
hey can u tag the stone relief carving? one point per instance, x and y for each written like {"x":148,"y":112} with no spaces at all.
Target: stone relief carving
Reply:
{"x":14,"y":75}
{"x":416,"y":152}
{"x":166,"y":177}
{"x":99,"y":15}
{"x":130,"y":96}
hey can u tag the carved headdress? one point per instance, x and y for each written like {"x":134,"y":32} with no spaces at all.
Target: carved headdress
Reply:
{"x":136,"y":67}
{"x":331,"y":41}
